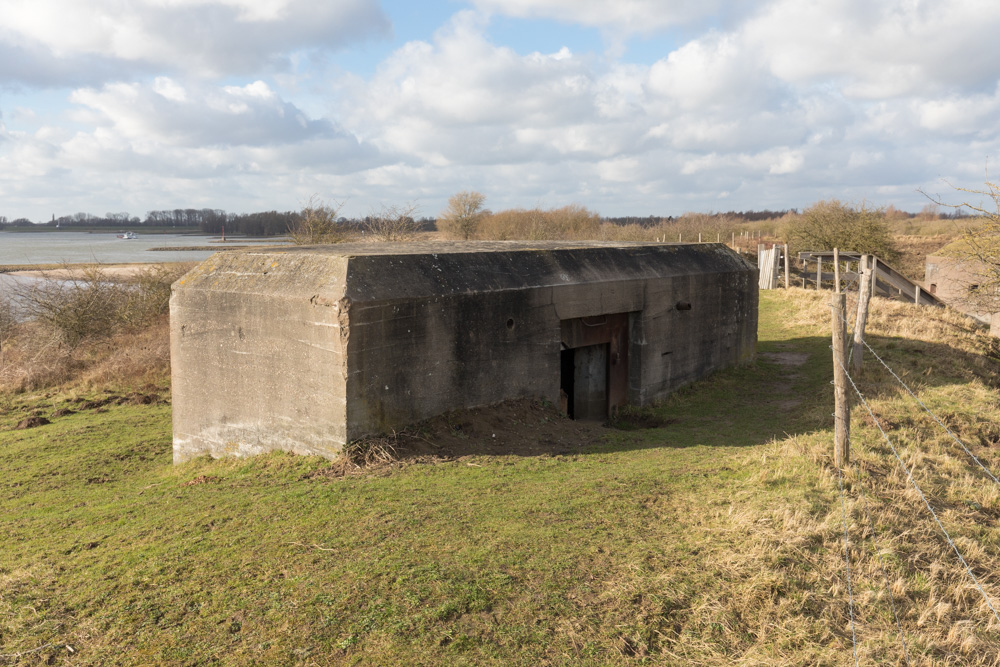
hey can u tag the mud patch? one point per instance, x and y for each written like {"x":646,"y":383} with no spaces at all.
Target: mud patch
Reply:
{"x":785,"y":358}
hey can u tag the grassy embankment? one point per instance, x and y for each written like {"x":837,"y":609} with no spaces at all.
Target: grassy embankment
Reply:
{"x":713,"y":540}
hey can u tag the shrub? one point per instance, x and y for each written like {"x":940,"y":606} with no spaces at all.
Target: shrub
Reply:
{"x":92,"y":304}
{"x":831,"y":224}
{"x":317,"y":224}
{"x":391,"y":223}
{"x":7,"y":317}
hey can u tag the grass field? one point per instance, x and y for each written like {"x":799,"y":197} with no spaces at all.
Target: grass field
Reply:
{"x":716,"y":539}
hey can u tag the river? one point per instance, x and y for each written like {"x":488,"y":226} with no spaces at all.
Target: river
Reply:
{"x":106,"y":247}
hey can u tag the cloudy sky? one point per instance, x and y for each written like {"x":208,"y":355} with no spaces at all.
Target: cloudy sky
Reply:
{"x":631,"y":107}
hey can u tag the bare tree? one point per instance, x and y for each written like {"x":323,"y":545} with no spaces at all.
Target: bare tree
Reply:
{"x":317,"y":223}
{"x":464,"y":213}
{"x":391,"y":223}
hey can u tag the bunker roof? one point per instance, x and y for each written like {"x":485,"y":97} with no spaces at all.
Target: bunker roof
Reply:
{"x":390,"y":271}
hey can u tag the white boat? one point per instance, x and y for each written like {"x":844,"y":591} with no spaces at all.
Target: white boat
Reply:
{"x":128,"y":235}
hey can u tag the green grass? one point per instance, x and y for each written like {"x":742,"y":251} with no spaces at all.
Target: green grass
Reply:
{"x":712,"y":540}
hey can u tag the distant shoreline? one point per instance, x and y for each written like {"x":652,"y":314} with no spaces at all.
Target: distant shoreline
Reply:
{"x":72,"y":271}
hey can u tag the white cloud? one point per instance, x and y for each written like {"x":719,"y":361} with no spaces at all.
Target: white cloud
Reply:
{"x":877,"y":50}
{"x":170,"y":114}
{"x":202,"y":37}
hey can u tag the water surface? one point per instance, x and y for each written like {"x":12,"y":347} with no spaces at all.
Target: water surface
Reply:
{"x":105,"y":247}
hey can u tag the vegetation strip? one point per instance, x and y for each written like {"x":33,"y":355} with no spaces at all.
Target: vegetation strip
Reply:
{"x":705,"y":533}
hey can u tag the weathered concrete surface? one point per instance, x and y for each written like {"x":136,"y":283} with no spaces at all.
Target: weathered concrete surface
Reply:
{"x":304,"y":349}
{"x":956,"y":281}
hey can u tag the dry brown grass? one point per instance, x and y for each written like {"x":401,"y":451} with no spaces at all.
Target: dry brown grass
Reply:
{"x":34,"y":359}
{"x":940,"y":354}
{"x":90,"y":331}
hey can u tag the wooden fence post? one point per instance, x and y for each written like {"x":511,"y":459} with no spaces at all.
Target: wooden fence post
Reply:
{"x":864,"y":296}
{"x":874,"y":274}
{"x":842,"y":408}
{"x":786,"y":266}
{"x":836,"y":271}
{"x":819,"y":272}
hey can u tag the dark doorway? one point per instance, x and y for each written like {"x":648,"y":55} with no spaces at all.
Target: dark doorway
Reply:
{"x":593,"y":366}
{"x":566,"y":376}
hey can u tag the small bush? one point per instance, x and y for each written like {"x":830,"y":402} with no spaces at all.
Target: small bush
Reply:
{"x":7,"y":317}
{"x":391,"y":223}
{"x":317,"y":224}
{"x":832,"y":224}
{"x":93,"y":304}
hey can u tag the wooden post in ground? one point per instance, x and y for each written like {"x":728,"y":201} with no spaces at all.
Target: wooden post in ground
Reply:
{"x":819,"y":272}
{"x":836,"y":271}
{"x":842,"y":408}
{"x":699,"y":237}
{"x":864,"y":296}
{"x":786,"y":266}
{"x":874,"y":274}
{"x":734,"y":240}
{"x":916,"y":295}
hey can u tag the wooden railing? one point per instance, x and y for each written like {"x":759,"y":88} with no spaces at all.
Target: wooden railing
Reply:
{"x":888,"y":282}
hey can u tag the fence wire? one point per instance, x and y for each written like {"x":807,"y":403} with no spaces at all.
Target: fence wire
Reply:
{"x":923,"y":497}
{"x":934,"y":416}
{"x":847,"y":561}
{"x":852,"y":288}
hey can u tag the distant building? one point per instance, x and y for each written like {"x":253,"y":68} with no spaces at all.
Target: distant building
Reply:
{"x":304,"y":349}
{"x":962,"y":284}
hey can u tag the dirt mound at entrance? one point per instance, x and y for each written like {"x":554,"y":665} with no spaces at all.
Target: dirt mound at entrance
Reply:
{"x":524,"y":427}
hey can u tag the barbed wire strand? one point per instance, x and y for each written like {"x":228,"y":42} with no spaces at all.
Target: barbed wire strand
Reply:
{"x":924,"y":406}
{"x":852,"y":288}
{"x":881,"y":565}
{"x":847,"y":560}
{"x":947,"y":537}
{"x":940,"y":423}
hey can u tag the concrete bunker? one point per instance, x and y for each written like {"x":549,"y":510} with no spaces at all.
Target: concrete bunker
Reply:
{"x":304,"y":349}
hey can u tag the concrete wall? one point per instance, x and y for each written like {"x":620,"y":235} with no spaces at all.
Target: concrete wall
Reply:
{"x":304,"y":349}
{"x":955,"y":280}
{"x":257,"y":357}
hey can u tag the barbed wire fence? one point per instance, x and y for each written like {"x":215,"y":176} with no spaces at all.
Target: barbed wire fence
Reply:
{"x":843,"y":363}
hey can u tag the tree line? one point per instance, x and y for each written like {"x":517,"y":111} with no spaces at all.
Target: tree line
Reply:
{"x":204,"y":220}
